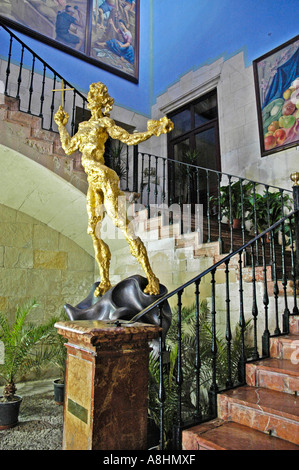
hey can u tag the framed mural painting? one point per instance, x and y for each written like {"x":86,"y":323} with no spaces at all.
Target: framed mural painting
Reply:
{"x":277,"y":90}
{"x":102,"y":32}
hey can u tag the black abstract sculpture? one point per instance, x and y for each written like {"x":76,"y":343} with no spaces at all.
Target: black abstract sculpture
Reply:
{"x":122,"y":302}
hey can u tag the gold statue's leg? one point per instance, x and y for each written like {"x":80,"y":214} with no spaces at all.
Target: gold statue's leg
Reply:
{"x":101,"y":249}
{"x":138,"y":250}
{"x":114,"y":201}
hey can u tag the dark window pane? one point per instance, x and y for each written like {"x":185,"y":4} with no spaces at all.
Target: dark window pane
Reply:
{"x":205,"y":144}
{"x":194,"y":148}
{"x":207,"y":154}
{"x":205,"y":110}
{"x":180,"y":150}
{"x":182,"y":123}
{"x":179,"y":172}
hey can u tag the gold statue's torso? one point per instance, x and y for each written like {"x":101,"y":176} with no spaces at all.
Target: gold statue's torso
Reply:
{"x":92,"y":137}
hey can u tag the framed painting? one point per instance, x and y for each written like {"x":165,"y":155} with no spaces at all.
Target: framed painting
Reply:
{"x":103,"y":32}
{"x":276,"y":77}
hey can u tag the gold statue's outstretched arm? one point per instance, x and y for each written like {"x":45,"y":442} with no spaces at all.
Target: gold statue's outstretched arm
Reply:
{"x":68,"y":143}
{"x":156,"y":128}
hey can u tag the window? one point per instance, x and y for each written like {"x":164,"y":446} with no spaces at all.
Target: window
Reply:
{"x":194,"y":140}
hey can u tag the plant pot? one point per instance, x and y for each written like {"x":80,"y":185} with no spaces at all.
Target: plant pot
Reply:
{"x":236,"y":223}
{"x":9,"y":412}
{"x":58,"y":392}
{"x":153,"y":434}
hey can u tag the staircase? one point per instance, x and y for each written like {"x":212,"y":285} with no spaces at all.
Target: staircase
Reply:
{"x":263,"y":414}
{"x":194,"y":247}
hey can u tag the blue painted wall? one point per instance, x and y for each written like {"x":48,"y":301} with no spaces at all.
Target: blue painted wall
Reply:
{"x":190,"y":33}
{"x":179,"y":35}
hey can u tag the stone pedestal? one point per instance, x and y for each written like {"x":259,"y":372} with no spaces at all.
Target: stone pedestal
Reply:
{"x":106,"y":390}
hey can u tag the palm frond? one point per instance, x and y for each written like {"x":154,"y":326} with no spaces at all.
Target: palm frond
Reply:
{"x":25,"y":343}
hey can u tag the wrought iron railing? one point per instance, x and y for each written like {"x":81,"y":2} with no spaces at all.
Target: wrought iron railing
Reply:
{"x":219,"y":376}
{"x":178,"y":188}
{"x":31,"y":80}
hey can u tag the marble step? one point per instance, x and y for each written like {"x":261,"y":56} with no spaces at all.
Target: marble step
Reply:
{"x":285,"y":347}
{"x":281,"y":375}
{"x":264,"y":410}
{"x":227,"y":435}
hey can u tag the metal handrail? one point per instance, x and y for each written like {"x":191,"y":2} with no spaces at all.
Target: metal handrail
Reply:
{"x":237,"y":376}
{"x":197,"y":167}
{"x":225,"y":259}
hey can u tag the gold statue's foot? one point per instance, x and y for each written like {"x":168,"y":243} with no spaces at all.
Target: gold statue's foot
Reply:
{"x":153,"y":287}
{"x":102,"y":288}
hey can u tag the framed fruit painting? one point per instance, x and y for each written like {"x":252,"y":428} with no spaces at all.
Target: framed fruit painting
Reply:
{"x":276,"y":77}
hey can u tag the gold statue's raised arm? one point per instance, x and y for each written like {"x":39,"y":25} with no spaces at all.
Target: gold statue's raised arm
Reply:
{"x":103,"y":182}
{"x":68,"y":143}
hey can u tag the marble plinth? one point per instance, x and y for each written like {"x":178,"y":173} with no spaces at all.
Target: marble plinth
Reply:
{"x":106,"y":384}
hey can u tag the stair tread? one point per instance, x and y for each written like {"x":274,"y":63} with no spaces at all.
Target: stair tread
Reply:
{"x":290,"y":341}
{"x":283,"y":366}
{"x":227,"y":435}
{"x":288,"y":338}
{"x":14,"y":121}
{"x":272,"y":401}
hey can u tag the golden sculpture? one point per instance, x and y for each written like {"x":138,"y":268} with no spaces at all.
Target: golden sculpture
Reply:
{"x":103,"y":181}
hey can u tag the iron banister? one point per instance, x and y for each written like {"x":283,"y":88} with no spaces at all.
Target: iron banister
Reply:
{"x":211,"y":268}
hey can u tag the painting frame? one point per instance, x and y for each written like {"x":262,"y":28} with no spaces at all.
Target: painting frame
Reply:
{"x":276,"y":78}
{"x":111,"y":61}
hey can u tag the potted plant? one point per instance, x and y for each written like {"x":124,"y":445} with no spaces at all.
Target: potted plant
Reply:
{"x":114,"y":153}
{"x":25,"y":349}
{"x":59,"y":360}
{"x":232,"y":204}
{"x":265,"y":209}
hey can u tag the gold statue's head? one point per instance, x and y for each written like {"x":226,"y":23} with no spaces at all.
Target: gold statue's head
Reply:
{"x":98,"y":97}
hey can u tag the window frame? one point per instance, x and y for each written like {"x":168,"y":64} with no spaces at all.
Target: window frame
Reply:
{"x":191,"y":134}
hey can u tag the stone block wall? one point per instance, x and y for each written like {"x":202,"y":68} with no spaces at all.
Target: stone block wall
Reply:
{"x":37,"y":262}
